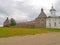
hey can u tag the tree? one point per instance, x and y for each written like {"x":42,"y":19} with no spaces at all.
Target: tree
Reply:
{"x":12,"y":22}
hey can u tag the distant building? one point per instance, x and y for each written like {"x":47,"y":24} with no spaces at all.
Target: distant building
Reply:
{"x":6,"y":23}
{"x":42,"y":21}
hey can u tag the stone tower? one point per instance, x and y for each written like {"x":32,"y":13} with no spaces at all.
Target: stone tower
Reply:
{"x":41,"y":20}
{"x":6,"y":23}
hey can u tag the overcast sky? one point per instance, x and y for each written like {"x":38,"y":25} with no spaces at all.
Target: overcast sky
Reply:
{"x":26,"y":10}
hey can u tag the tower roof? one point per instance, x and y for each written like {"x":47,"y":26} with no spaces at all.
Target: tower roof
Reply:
{"x":7,"y":20}
{"x":52,"y":9}
{"x":42,"y":14}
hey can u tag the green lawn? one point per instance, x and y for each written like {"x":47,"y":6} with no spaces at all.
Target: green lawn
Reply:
{"x":6,"y":32}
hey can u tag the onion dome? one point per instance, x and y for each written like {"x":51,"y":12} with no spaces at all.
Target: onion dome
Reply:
{"x":52,"y":9}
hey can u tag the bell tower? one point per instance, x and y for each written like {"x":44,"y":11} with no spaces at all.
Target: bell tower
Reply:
{"x":41,"y":15}
{"x":52,"y":12}
{"x":41,"y":19}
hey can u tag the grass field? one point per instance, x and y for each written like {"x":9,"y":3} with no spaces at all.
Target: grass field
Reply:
{"x":7,"y":32}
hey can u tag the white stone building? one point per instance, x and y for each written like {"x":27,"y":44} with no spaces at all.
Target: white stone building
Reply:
{"x":53,"y":21}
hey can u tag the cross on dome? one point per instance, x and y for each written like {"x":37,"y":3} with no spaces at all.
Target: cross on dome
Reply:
{"x":52,"y":9}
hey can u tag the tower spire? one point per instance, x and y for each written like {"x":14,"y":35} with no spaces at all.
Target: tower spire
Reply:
{"x":52,"y":10}
{"x":52,"y":5}
{"x":41,"y":9}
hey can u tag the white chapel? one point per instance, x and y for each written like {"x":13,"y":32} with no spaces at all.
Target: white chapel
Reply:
{"x":53,"y":21}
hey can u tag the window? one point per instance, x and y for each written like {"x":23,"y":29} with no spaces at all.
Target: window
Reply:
{"x":55,"y":24}
{"x":49,"y":24}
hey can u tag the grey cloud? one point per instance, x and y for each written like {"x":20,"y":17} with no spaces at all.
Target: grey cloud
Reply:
{"x":57,"y":7}
{"x":6,"y":6}
{"x":27,"y":9}
{"x":11,"y":7}
{"x":16,"y":9}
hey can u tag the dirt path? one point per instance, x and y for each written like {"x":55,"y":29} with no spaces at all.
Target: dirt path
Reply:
{"x":39,"y":39}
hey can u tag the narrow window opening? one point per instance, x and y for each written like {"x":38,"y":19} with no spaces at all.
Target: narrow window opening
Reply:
{"x":50,"y":24}
{"x":55,"y":24}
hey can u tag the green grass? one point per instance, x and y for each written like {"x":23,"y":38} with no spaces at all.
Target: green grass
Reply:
{"x":7,"y":32}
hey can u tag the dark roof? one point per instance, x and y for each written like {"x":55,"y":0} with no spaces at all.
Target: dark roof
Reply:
{"x":42,"y":14}
{"x":52,"y":9}
{"x":7,"y":20}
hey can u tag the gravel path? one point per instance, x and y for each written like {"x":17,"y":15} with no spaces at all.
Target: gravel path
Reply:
{"x":39,"y":39}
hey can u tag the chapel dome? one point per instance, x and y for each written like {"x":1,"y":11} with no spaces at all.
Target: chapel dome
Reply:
{"x":52,"y":9}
